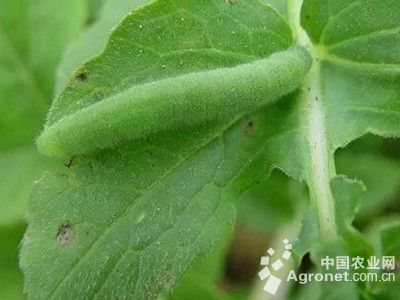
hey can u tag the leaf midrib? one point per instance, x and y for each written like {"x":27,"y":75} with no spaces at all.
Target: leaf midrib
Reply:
{"x":319,"y":158}
{"x":334,"y":17}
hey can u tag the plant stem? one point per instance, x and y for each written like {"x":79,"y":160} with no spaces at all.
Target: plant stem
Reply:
{"x":321,"y":166}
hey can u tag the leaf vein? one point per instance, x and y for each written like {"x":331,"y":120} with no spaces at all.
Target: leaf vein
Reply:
{"x":334,"y":17}
{"x":364,"y":36}
{"x":107,"y":228}
{"x":211,"y":51}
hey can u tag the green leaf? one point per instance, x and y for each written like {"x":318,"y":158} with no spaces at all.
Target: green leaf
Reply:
{"x":33,"y":35}
{"x":64,"y":21}
{"x":128,"y":221}
{"x":19,"y":169}
{"x":140,"y":233}
{"x":271,"y":203}
{"x":380,"y":174}
{"x":28,"y":63}
{"x":182,"y":84}
{"x":180,"y":101}
{"x":342,"y":99}
{"x":204,"y":278}
{"x":160,"y":178}
{"x":332,"y":290}
{"x":10,"y":276}
{"x":279,"y":5}
{"x":352,"y":90}
{"x":347,"y":194}
{"x":94,"y":39}
{"x":385,"y":235}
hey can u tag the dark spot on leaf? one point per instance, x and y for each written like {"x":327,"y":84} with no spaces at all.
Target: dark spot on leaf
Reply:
{"x":81,"y":76}
{"x":70,"y":162}
{"x":249,"y":126}
{"x":231,"y":2}
{"x":64,"y":234}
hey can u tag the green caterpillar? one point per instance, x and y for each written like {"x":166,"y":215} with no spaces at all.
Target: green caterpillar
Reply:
{"x":176,"y":102}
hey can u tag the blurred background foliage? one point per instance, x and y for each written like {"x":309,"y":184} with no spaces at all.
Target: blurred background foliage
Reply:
{"x":34,"y":35}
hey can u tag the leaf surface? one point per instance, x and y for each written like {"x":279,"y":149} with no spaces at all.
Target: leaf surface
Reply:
{"x":128,"y":221}
{"x":386,"y":237}
{"x":380,"y":174}
{"x":94,"y":38}
{"x":353,"y":90}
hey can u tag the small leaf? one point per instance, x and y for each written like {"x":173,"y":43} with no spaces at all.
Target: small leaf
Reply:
{"x":381,"y":176}
{"x":385,"y":235}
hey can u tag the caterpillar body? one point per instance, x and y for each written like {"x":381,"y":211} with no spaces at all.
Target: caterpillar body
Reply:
{"x":176,"y":102}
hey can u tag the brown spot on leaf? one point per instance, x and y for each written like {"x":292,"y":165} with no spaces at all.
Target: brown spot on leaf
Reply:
{"x":81,"y":76}
{"x":64,"y":234}
{"x":249,"y":126}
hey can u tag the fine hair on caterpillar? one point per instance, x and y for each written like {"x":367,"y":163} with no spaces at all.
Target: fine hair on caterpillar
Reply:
{"x":173,"y":102}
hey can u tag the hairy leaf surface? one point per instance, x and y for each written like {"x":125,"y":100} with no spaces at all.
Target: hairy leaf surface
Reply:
{"x":128,"y":221}
{"x":93,"y":39}
{"x":129,"y":216}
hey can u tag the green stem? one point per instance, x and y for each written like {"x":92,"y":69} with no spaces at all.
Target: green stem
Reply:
{"x":321,"y":166}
